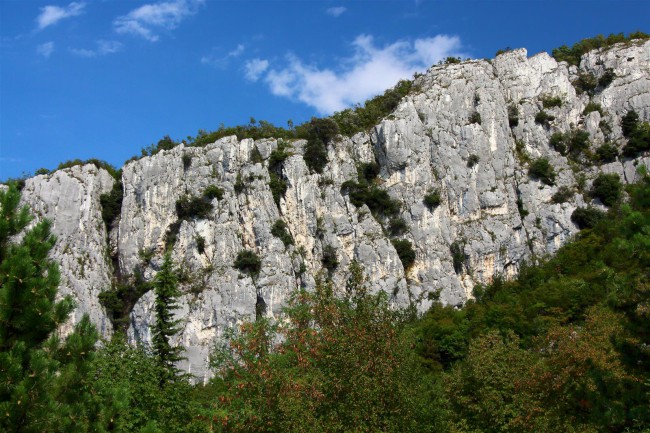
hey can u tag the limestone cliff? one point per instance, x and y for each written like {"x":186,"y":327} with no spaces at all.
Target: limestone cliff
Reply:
{"x":467,"y":130}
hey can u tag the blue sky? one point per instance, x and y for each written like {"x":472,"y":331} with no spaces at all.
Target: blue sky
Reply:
{"x":104,"y":78}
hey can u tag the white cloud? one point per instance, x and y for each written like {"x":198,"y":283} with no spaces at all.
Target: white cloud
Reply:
{"x":45,"y":49}
{"x":255,"y":68}
{"x":370,"y":71}
{"x":146,"y":20}
{"x":221,"y":61}
{"x":103,"y":48}
{"x":336,"y":11}
{"x":51,"y":15}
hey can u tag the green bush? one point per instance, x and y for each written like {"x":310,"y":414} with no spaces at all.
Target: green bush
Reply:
{"x":248,"y":262}
{"x":472,"y":160}
{"x":368,"y":171}
{"x":607,"y":78}
{"x":587,"y":217}
{"x":378,"y":200}
{"x":571,"y":143}
{"x":171,"y":235}
{"x":116,"y":174}
{"x":212,"y":191}
{"x":513,"y":115}
{"x":200,"y":243}
{"x":256,"y":156}
{"x":562,"y":195}
{"x":475,"y":117}
{"x":544,"y":119}
{"x":549,"y":101}
{"x":193,"y":207}
{"x":586,"y":82}
{"x":187,"y":161}
{"x":432,"y":199}
{"x":592,"y":106}
{"x":397,"y":226}
{"x":405,"y":251}
{"x":607,"y":188}
{"x":639,"y":142}
{"x":629,"y":123}
{"x":278,"y":156}
{"x":239,"y":185}
{"x":452,"y":60}
{"x":278,"y":186}
{"x":541,"y":169}
{"x":573,"y":54}
{"x":280,"y":231}
{"x":112,"y":203}
{"x":329,"y":259}
{"x":457,"y":249}
{"x":607,"y":152}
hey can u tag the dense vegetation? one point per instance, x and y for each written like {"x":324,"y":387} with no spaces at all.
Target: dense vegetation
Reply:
{"x":573,"y":54}
{"x":564,"y":347}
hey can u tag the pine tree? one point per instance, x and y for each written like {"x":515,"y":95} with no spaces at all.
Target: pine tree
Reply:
{"x":41,"y":379}
{"x":165,"y":285}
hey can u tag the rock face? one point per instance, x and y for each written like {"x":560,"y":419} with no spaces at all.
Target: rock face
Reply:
{"x":455,"y":133}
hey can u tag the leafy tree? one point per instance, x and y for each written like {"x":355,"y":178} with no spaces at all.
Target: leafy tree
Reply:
{"x":607,"y":188}
{"x":165,"y":327}
{"x":43,"y":381}
{"x":248,"y":262}
{"x":341,"y":363}
{"x":542,"y":170}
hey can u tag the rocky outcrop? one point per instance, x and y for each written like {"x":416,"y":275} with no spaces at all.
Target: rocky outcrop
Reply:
{"x":454,"y":133}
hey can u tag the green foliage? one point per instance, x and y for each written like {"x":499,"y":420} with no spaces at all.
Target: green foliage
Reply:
{"x":472,"y":160}
{"x":200,"y":244}
{"x":119,"y":300}
{"x":112,"y":203}
{"x":513,"y":115}
{"x":452,"y":60}
{"x":541,"y":169}
{"x":340,"y":363}
{"x":116,"y":174}
{"x":165,"y":326}
{"x":606,"y":152}
{"x":544,"y":119}
{"x":587,"y":217}
{"x":592,"y":106}
{"x":329,"y":259}
{"x":397,"y":226}
{"x":165,"y":143}
{"x":320,"y":132}
{"x":607,"y":188}
{"x":278,"y":186}
{"x":475,"y":117}
{"x":193,"y":207}
{"x":638,"y":134}
{"x":606,"y":79}
{"x":280,"y":231}
{"x":573,"y":54}
{"x":458,"y":257}
{"x":367,"y":192}
{"x":361,"y":118}
{"x":503,"y":51}
{"x":629,"y":123}
{"x":572,"y":143}
{"x":549,"y":101}
{"x":405,"y":252}
{"x":239,"y":185}
{"x":248,"y":262}
{"x":43,"y":381}
{"x":586,"y":82}
{"x":256,"y":156}
{"x":432,"y":199}
{"x":187,"y":161}
{"x":212,"y":191}
{"x":562,"y":195}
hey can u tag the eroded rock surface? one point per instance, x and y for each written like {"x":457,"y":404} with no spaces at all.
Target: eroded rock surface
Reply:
{"x":453,"y":133}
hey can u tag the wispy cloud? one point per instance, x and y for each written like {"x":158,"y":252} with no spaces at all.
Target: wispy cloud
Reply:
{"x":336,"y":11}
{"x":103,"y":48}
{"x":221,"y":61}
{"x":148,"y":19}
{"x":51,"y":15}
{"x":369,"y":71}
{"x":45,"y":49}
{"x":255,"y":68}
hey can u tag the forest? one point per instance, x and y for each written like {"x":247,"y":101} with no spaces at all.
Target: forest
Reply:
{"x":564,"y":347}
